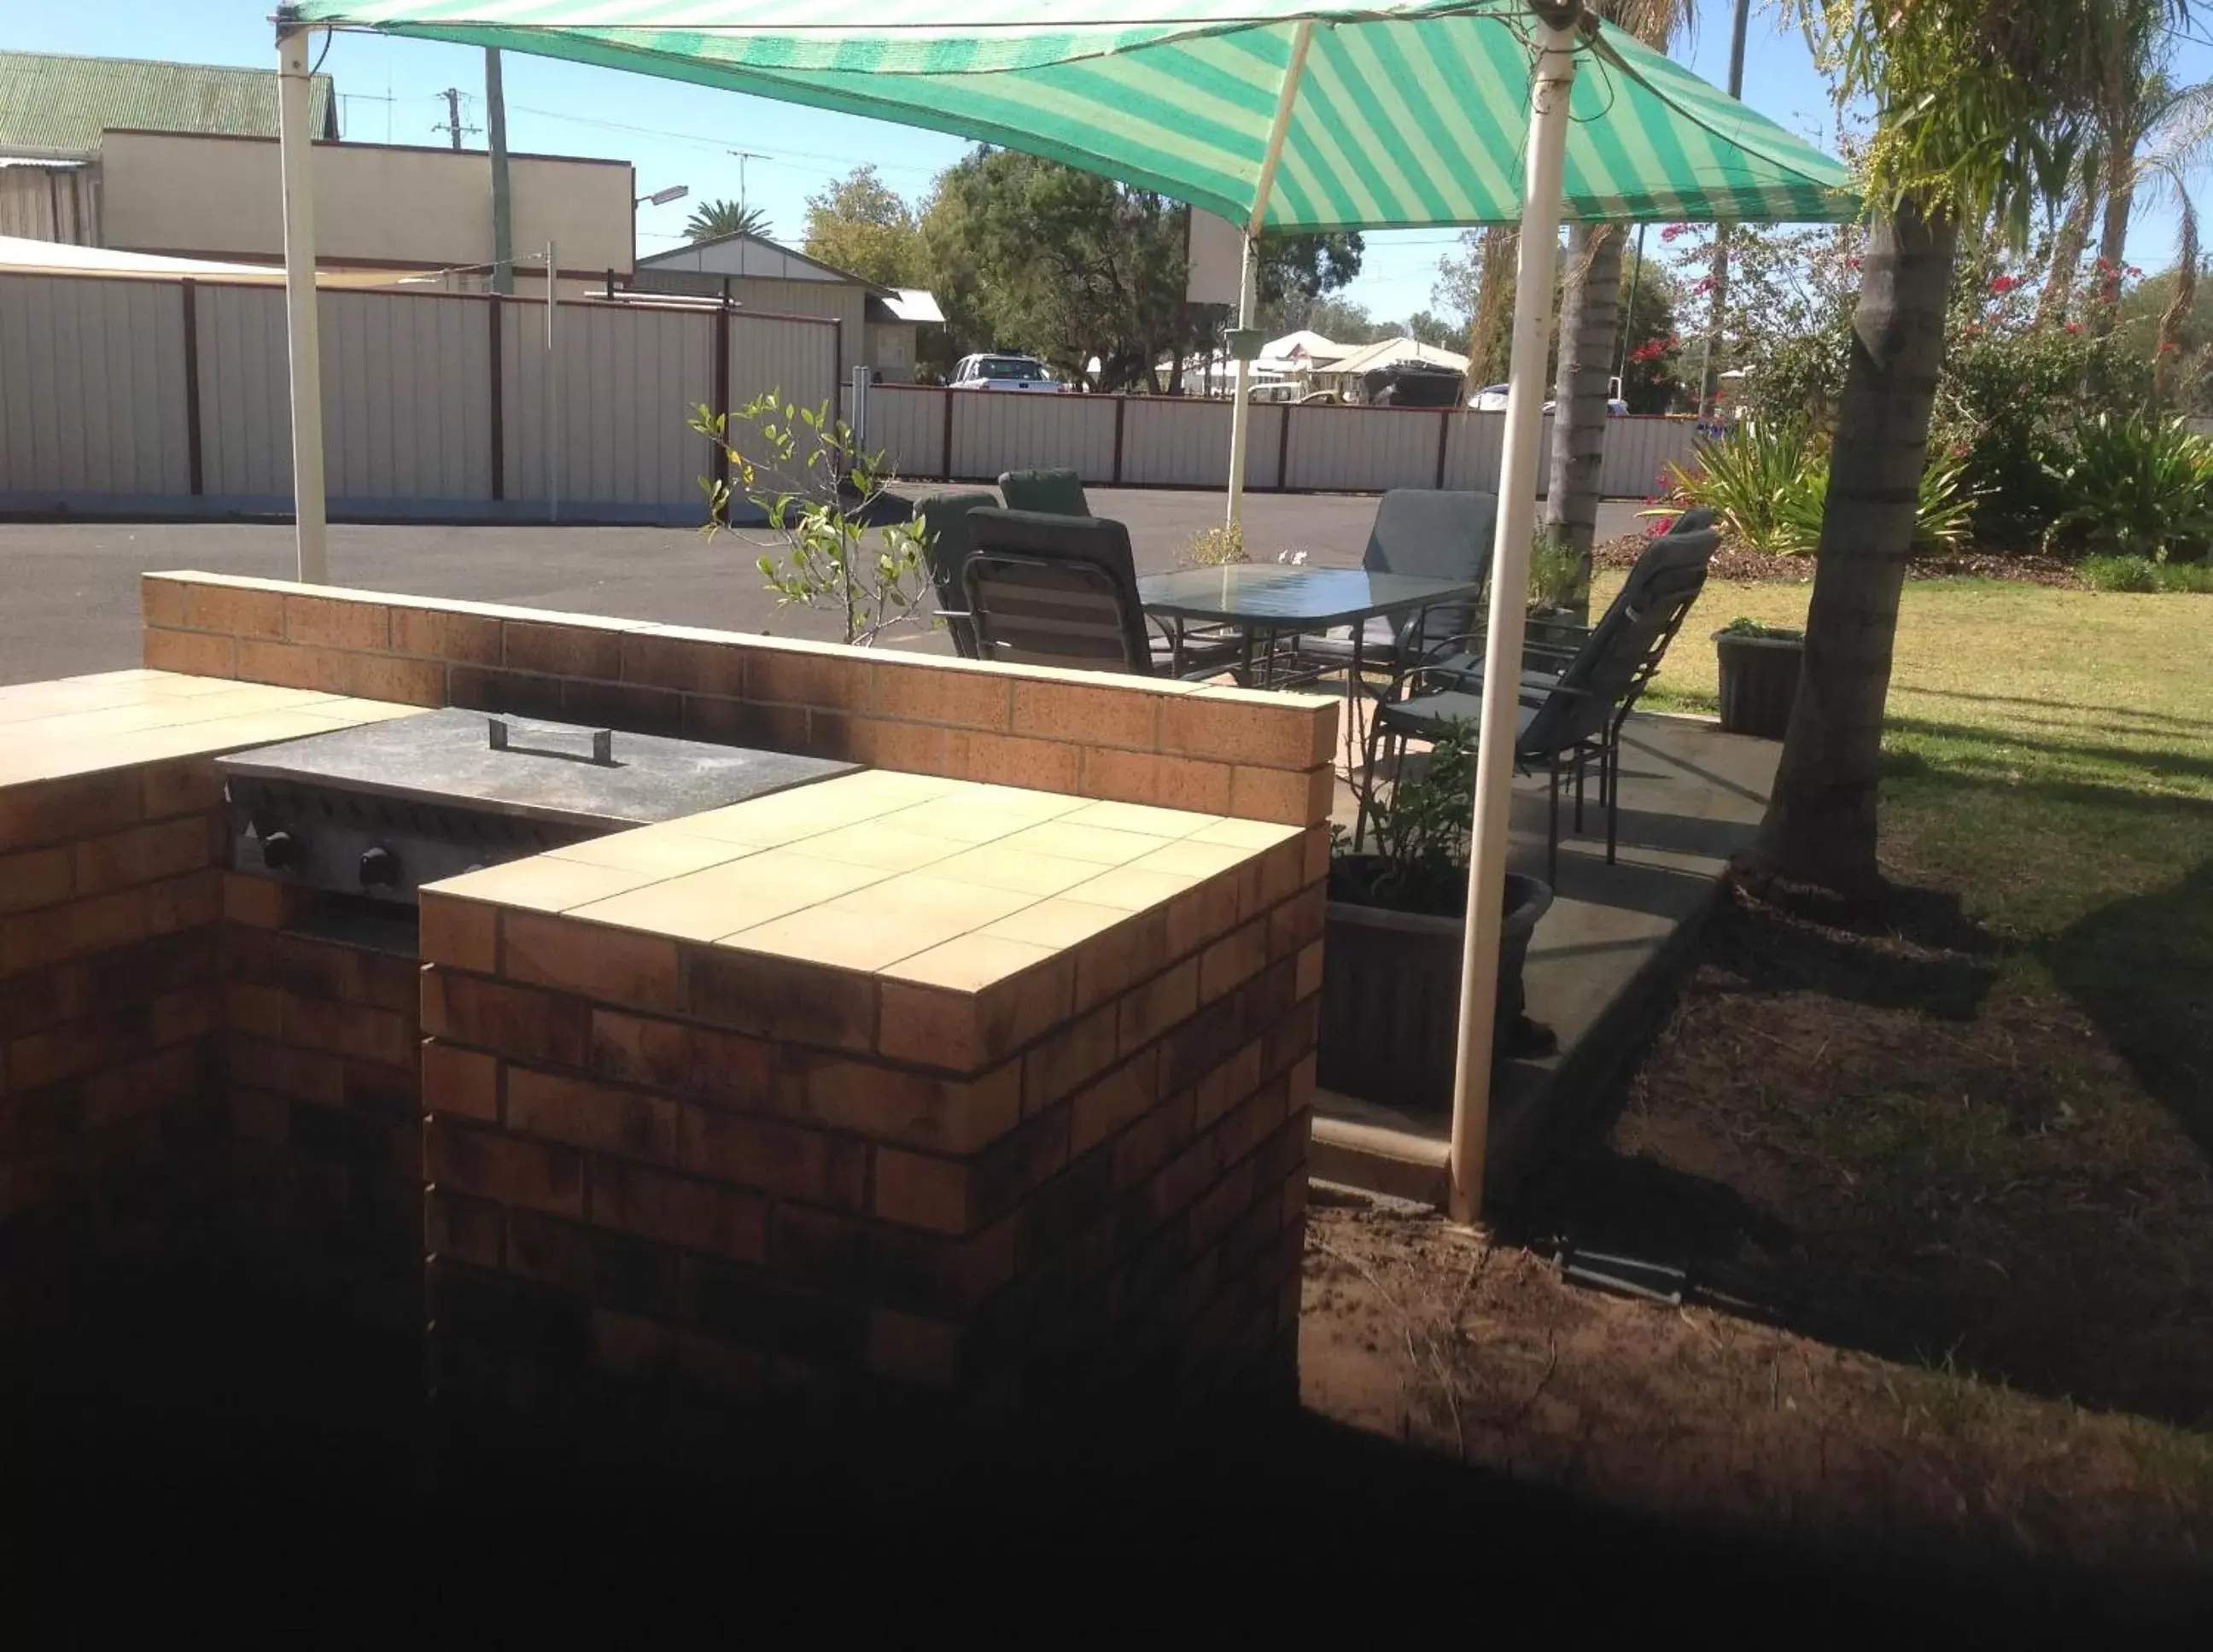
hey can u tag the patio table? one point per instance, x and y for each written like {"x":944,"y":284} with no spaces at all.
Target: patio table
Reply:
{"x":1265,"y":601}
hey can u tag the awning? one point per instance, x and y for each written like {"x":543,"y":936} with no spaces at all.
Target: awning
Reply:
{"x":1402,"y":115}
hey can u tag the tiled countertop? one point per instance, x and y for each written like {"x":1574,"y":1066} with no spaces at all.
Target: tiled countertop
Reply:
{"x":83,"y":725}
{"x":943,"y":883}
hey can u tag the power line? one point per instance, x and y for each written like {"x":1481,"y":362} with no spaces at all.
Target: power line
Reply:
{"x":720,"y":145}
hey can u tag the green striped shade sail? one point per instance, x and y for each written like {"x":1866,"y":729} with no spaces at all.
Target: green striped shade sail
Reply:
{"x":1401,"y":115}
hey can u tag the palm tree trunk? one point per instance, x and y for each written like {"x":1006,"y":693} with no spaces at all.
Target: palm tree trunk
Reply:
{"x":1820,"y":825}
{"x":2166,"y":358}
{"x":2067,"y":249}
{"x":1590,"y":314}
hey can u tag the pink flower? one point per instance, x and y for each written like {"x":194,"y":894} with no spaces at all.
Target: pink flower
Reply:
{"x":2073,"y":326}
{"x":1703,"y":285}
{"x":2004,"y":283}
{"x":1851,"y":264}
{"x":2131,"y":271}
{"x":2167,"y":347}
{"x":1673,"y":230}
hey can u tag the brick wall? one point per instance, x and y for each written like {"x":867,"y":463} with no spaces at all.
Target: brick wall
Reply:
{"x":110,"y":1004}
{"x":660,"y":1166}
{"x":1216,"y":750}
{"x":322,"y":1095}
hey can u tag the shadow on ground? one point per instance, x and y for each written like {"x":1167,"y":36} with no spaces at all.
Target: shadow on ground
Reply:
{"x":188,"y":1453}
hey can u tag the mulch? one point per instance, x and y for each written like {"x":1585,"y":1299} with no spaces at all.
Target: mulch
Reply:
{"x":1735,"y":563}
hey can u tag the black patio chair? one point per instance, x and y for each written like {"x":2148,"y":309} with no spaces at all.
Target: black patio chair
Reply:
{"x":1425,"y":531}
{"x":1054,"y":493}
{"x":944,"y":519}
{"x":1572,"y":716}
{"x":1062,"y":591}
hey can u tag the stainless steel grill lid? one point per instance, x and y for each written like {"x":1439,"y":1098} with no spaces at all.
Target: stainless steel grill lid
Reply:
{"x":529,"y":769}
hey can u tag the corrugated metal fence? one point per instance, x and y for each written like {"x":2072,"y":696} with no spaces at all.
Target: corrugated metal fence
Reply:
{"x":171,"y":398}
{"x":1161,"y":442}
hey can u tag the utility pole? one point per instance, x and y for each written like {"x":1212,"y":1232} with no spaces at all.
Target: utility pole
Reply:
{"x":502,"y":225}
{"x":744,"y":155}
{"x":452,"y":123}
{"x":1708,"y":382}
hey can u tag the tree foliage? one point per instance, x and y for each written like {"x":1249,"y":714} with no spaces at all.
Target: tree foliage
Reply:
{"x":711,"y":220}
{"x":861,"y":225}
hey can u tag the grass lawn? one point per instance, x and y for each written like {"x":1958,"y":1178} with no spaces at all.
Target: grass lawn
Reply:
{"x":1939,"y":1173}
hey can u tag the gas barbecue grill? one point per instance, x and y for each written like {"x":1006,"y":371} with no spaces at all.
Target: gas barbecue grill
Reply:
{"x":381,"y":810}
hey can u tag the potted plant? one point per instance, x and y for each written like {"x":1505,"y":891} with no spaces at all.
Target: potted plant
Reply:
{"x":1390,"y":957}
{"x":1759,"y":666}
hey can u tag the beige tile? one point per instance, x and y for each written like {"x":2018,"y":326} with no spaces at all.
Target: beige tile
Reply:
{"x":920,"y":898}
{"x":843,"y":939}
{"x":1132,"y":890}
{"x":971,"y":963}
{"x":810,"y":811}
{"x":723,"y":900}
{"x":542,"y":884}
{"x":996,"y":866}
{"x":1246,"y":834}
{"x":1194,"y":860}
{"x":1079,"y":842}
{"x":1057,"y":924}
{"x":664,"y":851}
{"x":881,"y":843}
{"x":1142,"y":817}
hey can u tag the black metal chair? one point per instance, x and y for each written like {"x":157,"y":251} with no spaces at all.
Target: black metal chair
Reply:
{"x":1044,"y":590}
{"x":1423,"y":532}
{"x":1052,"y":492}
{"x":944,"y":519}
{"x":1575,"y":715}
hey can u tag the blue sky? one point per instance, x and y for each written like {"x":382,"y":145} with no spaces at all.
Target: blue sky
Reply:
{"x":679,"y":134}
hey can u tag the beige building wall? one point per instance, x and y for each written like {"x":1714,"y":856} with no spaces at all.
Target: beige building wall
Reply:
{"x":843,"y":302}
{"x":374,"y":204}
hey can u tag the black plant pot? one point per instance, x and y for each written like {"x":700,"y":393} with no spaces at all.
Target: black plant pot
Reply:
{"x":1390,"y":996}
{"x":1759,"y":682}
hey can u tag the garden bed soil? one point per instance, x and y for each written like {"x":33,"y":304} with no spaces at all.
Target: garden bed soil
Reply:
{"x":1734,"y":562}
{"x":1948,"y":1268}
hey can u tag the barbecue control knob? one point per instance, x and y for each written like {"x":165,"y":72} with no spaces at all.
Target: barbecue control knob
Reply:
{"x":379,"y":869}
{"x":282,"y":852}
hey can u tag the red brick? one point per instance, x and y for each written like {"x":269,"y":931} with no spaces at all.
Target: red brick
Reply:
{"x":1005,"y":760}
{"x":1296,"y":923}
{"x":1221,"y":1204}
{"x":36,"y":877}
{"x":193,"y":787}
{"x":67,"y":811}
{"x":260,"y":903}
{"x":464,"y":1229}
{"x":258,"y":1010}
{"x":1119,"y":1099}
{"x":337,"y":622}
{"x":890,"y":1104}
{"x":28,"y":939}
{"x":513,"y":1022}
{"x":610,"y":965}
{"x":563,"y":649}
{"x":550,"y":1252}
{"x":471,"y":638}
{"x":802,"y":1164}
{"x":1227,"y":1084}
{"x":585,"y":1114}
{"x":464,"y":933}
{"x":696,"y":1063}
{"x":918,"y":1191}
{"x":1184,"y":1178}
{"x":693,"y":1215}
{"x":833,"y":1009}
{"x":1075,"y":1054}
{"x":303,"y":1075}
{"x":1148,"y":778}
{"x":458,"y":1081}
{"x":189,"y":902}
{"x":494,"y":1165}
{"x":384,"y":677}
{"x":1151,"y":1141}
{"x":1149,"y":1010}
{"x":905,"y":1348}
{"x":1308,"y":977}
{"x":191,"y":654}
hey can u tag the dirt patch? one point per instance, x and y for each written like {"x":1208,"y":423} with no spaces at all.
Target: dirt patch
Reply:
{"x":1735,"y":564}
{"x":1480,"y":1352}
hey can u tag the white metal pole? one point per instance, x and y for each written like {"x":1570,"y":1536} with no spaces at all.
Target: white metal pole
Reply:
{"x":1241,"y":408}
{"x":1287,"y":99}
{"x":1549,"y":88}
{"x":303,"y":339}
{"x":552,"y":397}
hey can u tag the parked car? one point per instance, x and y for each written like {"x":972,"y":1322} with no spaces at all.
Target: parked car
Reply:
{"x":1615,"y":407}
{"x":1320,"y":399}
{"x":1492,"y":398}
{"x":1003,"y":373}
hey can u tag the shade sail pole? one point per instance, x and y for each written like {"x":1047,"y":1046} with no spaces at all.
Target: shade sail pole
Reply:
{"x":303,"y":338}
{"x":1551,"y":82}
{"x":1240,"y":407}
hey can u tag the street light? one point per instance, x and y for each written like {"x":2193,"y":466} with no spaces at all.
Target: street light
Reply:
{"x":664,"y":196}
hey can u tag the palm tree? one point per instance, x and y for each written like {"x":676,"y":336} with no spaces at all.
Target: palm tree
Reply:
{"x":712,"y":220}
{"x":1590,"y":314}
{"x":1976,"y":103}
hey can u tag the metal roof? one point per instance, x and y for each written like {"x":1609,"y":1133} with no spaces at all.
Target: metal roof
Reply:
{"x":58,"y":105}
{"x":1385,"y":352}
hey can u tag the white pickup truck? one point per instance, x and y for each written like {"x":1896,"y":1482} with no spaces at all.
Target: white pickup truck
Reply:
{"x":1004,"y":373}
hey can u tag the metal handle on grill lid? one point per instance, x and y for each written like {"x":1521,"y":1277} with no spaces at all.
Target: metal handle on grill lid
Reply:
{"x":603,"y":745}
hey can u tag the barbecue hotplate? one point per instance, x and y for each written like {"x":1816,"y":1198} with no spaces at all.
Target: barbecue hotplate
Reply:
{"x":386,"y":808}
